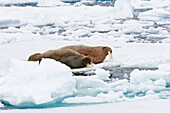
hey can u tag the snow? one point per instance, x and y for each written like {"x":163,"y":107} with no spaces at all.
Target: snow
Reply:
{"x":138,"y":38}
{"x":140,"y":81}
{"x":102,"y":74}
{"x":33,"y":83}
{"x":148,"y":76}
{"x":155,"y":106}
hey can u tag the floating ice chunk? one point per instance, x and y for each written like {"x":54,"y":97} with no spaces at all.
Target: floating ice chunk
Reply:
{"x":1,"y":105}
{"x":90,"y":85}
{"x":123,"y":8}
{"x":102,"y":74}
{"x":162,"y":74}
{"x":138,"y":76}
{"x":28,"y":82}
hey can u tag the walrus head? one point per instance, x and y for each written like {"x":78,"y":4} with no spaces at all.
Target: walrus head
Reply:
{"x":108,"y":50}
{"x":86,"y":61}
{"x":35,"y":57}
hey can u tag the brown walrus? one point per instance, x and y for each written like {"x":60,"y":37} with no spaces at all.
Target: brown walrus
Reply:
{"x":97,"y":54}
{"x":67,"y":56}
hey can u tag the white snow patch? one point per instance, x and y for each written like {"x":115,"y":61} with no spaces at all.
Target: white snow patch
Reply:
{"x":160,"y":76}
{"x":30,"y":82}
{"x":102,"y":74}
{"x":90,"y":85}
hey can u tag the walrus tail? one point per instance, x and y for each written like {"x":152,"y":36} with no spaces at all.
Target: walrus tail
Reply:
{"x":35,"y":57}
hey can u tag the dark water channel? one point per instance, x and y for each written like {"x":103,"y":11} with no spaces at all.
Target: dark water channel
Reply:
{"x":117,"y":72}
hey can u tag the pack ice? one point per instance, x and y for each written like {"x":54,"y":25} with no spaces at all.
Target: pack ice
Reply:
{"x":28,"y":82}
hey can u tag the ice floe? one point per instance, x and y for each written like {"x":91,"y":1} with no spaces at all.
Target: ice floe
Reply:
{"x":28,"y":82}
{"x":142,"y":85}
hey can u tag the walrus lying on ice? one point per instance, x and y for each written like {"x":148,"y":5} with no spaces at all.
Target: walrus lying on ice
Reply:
{"x":97,"y":54}
{"x":69,"y":57}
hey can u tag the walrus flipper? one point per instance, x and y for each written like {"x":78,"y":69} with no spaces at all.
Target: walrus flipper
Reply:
{"x":35,"y":57}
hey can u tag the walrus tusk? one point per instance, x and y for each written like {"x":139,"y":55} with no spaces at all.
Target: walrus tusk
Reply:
{"x":111,"y":57}
{"x":91,"y":63}
{"x":88,"y":66}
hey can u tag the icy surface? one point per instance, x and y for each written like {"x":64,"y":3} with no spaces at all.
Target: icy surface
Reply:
{"x":156,"y":106}
{"x":142,"y":85}
{"x":138,"y":31}
{"x":34,"y":84}
{"x":28,"y":82}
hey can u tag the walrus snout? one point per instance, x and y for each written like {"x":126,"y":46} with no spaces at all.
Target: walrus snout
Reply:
{"x":108,"y":49}
{"x":86,"y":61}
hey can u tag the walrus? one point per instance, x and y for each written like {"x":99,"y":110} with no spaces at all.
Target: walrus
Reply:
{"x":69,"y":57}
{"x":97,"y":54}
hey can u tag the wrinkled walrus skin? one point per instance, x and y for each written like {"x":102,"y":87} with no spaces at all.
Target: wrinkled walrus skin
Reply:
{"x":97,"y":54}
{"x":67,"y":56}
